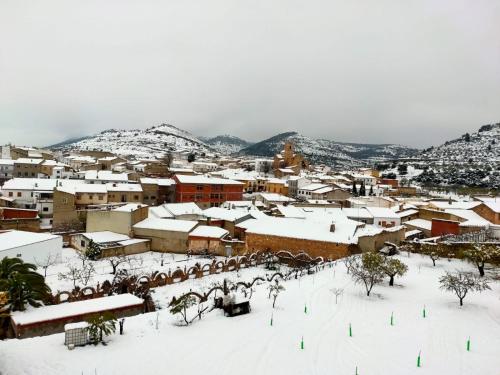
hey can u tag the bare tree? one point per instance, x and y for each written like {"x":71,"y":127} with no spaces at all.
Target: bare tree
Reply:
{"x":46,"y":262}
{"x":368,"y":270}
{"x":274,"y":290}
{"x":338,"y":292}
{"x":349,"y":262}
{"x":82,"y":256}
{"x":180,"y":306}
{"x":432,"y":251}
{"x":72,"y":274}
{"x":116,"y":260}
{"x":462,"y":283}
{"x":77,"y":274}
{"x":87,"y":273}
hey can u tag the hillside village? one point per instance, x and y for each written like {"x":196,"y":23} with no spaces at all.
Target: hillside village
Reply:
{"x":120,"y":234}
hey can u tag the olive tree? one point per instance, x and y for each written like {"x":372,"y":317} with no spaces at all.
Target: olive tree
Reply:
{"x":479,"y":254}
{"x":367,"y":270}
{"x":393,"y":267}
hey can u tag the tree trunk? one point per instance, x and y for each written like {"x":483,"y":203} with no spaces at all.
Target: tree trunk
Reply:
{"x":461,"y":301}
{"x":274,"y":302}
{"x":481,"y":270}
{"x":391,"y":281}
{"x":433,"y":262}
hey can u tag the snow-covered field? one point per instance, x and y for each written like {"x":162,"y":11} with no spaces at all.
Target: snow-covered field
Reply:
{"x":248,"y":344}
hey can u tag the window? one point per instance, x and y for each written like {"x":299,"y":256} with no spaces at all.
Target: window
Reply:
{"x":199,"y":196}
{"x":101,"y":197}
{"x":45,"y":209}
{"x":91,"y":197}
{"x":19,"y":255}
{"x":136,"y":197}
{"x":199,"y":187}
{"x":19,"y":194}
{"x":11,"y":193}
{"x":82,"y":243}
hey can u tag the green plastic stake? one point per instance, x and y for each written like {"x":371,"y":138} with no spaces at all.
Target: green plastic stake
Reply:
{"x":356,"y":373}
{"x":271,"y":319}
{"x":424,"y":312}
{"x":350,"y":330}
{"x":392,"y":319}
{"x":468,"y":344}
{"x":418,"y":359}
{"x":302,"y":343}
{"x":305,"y":309}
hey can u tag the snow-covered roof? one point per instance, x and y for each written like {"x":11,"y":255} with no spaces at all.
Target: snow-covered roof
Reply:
{"x":28,"y":161}
{"x":347,"y":231}
{"x":275,"y":197}
{"x":420,"y":223}
{"x":158,"y":181}
{"x":202,"y":180}
{"x":124,"y":187}
{"x":224,"y":213}
{"x":16,"y":238}
{"x":66,"y":310}
{"x":105,"y":175}
{"x":6,"y":162}
{"x":442,"y":205}
{"x":291,"y":211}
{"x":413,"y":232}
{"x":188,"y":208}
{"x":208,"y":231}
{"x":172,"y":225}
{"x":406,"y":213}
{"x":314,"y":187}
{"x":358,"y":213}
{"x":382,"y":212}
{"x":472,"y":219}
{"x":129,"y":207}
{"x":105,"y":236}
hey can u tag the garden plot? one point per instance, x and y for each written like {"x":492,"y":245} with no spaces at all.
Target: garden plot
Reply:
{"x":138,"y":264}
{"x":306,"y":310}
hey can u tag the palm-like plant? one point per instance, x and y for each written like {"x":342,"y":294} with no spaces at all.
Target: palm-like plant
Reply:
{"x":22,"y":283}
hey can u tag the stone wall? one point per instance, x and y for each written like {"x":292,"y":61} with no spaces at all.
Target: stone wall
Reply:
{"x":328,"y":250}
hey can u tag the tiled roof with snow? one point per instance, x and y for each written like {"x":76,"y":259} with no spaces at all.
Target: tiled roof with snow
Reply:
{"x":225,"y":214}
{"x":105,"y":236}
{"x":171,"y":225}
{"x":203,"y":180}
{"x":65,"y":310}
{"x":419,"y":223}
{"x":17,"y":238}
{"x":208,"y":231}
{"x":124,"y":187}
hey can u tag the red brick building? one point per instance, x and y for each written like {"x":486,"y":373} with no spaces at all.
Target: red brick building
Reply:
{"x":207,"y":191}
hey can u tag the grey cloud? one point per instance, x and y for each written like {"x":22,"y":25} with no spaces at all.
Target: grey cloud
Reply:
{"x":415,"y":72}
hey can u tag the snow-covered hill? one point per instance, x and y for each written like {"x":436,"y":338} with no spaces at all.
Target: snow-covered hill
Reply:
{"x":473,"y":160}
{"x":478,"y":147}
{"x":329,"y":152}
{"x":226,"y":144}
{"x":154,"y":141}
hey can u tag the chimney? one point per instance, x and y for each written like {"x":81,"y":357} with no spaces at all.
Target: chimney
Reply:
{"x":332,"y":227}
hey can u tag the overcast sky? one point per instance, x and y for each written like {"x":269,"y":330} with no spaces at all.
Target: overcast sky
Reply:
{"x":415,"y":72}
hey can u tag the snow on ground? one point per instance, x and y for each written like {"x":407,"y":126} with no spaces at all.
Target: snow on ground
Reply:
{"x":138,"y":264}
{"x":248,"y":344}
